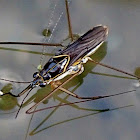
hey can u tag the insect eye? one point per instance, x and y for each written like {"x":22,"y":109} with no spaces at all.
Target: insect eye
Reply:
{"x":51,"y":60}
{"x":35,"y":74}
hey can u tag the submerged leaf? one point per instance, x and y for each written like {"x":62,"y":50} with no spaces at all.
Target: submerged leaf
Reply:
{"x":137,"y":71}
{"x":7,"y":88}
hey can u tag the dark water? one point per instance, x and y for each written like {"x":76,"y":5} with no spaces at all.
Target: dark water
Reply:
{"x":24,"y":21}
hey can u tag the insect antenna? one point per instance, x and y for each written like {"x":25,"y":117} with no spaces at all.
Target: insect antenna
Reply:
{"x":23,"y":102}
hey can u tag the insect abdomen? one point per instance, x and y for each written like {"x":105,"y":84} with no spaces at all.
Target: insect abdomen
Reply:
{"x":87,"y":43}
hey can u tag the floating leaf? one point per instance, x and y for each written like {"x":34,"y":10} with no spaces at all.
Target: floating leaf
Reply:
{"x":46,"y":32}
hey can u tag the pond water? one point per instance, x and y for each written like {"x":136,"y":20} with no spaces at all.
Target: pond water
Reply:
{"x":25,"y":21}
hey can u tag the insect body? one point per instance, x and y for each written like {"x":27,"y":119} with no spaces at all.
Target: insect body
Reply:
{"x":71,"y":59}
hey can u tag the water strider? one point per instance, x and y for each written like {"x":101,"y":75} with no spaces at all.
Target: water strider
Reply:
{"x":68,"y":61}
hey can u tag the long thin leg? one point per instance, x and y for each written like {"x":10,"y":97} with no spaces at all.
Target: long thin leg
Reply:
{"x":69,"y":21}
{"x":94,"y":97}
{"x":32,"y":43}
{"x":86,"y":99}
{"x":29,"y":111}
{"x":64,"y":102}
{"x":110,"y":67}
{"x":25,"y":51}
{"x":113,"y":75}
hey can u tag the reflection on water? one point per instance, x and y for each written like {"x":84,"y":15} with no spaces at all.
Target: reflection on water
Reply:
{"x":41,"y":93}
{"x":35,"y":131}
{"x":24,"y":21}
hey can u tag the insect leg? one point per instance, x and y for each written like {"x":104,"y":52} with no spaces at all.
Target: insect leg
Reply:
{"x":32,"y":43}
{"x":94,"y":97}
{"x":69,"y":21}
{"x":29,"y":111}
{"x":112,"y":75}
{"x":110,"y":67}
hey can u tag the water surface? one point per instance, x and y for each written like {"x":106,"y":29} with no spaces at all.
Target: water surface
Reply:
{"x":24,"y":21}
